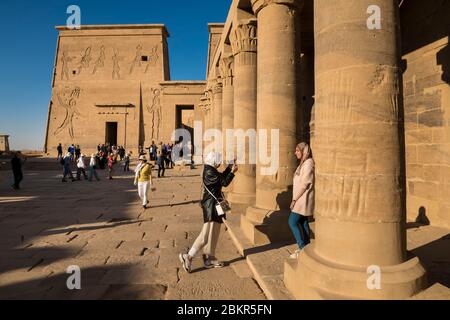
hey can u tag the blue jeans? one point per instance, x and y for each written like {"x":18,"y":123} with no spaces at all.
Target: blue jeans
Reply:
{"x":300,"y":228}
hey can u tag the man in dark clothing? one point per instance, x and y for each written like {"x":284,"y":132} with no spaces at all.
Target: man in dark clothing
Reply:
{"x":16,"y":166}
{"x":59,"y":148}
{"x":77,"y":152}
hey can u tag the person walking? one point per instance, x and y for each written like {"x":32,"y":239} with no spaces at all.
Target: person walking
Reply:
{"x":169,"y":156}
{"x":67,"y":171}
{"x":93,"y":167}
{"x":110,"y":166}
{"x":77,"y":152}
{"x":71,"y":150}
{"x":60,"y":151}
{"x":213,"y":181}
{"x":160,"y":160}
{"x":126,"y":159}
{"x":16,"y":166}
{"x":143,"y":179}
{"x":81,"y":168}
{"x":302,"y":205}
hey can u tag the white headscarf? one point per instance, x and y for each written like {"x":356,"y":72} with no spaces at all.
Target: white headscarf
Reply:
{"x":213,"y":159}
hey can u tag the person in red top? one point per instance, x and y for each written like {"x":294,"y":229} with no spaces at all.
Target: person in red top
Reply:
{"x":110,"y":165}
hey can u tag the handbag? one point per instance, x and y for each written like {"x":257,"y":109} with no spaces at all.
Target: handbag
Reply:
{"x":222,"y":207}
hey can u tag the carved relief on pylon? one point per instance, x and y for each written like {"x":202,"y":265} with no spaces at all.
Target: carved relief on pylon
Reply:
{"x":153,"y":58}
{"x":243,"y":37}
{"x":100,"y":62}
{"x":137,"y":59}
{"x":226,"y":66}
{"x":65,"y":64}
{"x":85,"y":60}
{"x":67,"y":99}
{"x":116,"y":65}
{"x":154,"y":108}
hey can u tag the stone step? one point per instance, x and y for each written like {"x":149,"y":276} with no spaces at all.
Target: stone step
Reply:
{"x":435,"y":292}
{"x":266,"y":262}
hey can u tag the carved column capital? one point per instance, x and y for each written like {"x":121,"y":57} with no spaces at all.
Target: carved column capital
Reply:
{"x":217,"y":87}
{"x":258,"y":5}
{"x":226,"y":65}
{"x":243,"y":37}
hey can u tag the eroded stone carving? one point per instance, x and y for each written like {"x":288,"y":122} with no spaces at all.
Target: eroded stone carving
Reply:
{"x":155,"y":112}
{"x":137,"y":59}
{"x":226,"y":70}
{"x":243,"y":38}
{"x":67,"y":99}
{"x":100,"y":62}
{"x":85,"y":60}
{"x":65,"y":65}
{"x":153,"y":58}
{"x":116,"y":66}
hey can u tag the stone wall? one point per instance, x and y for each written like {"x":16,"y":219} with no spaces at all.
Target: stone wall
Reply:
{"x":114,"y":73}
{"x":425,"y":35}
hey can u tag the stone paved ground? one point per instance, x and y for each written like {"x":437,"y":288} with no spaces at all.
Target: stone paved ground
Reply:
{"x":123,"y":251}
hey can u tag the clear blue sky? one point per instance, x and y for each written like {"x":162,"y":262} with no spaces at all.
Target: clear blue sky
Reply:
{"x":29,"y":39}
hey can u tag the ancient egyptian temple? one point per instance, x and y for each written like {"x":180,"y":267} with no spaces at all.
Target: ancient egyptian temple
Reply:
{"x":374,"y":103}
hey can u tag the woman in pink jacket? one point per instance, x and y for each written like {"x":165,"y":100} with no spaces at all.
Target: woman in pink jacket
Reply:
{"x":302,"y":205}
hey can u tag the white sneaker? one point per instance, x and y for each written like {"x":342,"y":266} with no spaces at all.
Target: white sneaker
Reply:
{"x":295,"y":254}
{"x":186,"y":263}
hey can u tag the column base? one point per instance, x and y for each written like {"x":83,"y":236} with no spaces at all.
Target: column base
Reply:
{"x":263,"y":226}
{"x":240,"y":201}
{"x":310,"y":277}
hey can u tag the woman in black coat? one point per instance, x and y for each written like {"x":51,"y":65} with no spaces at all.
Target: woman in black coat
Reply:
{"x":213,"y":181}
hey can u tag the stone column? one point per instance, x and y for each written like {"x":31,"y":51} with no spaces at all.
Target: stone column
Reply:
{"x":360,"y":182}
{"x":209,"y":110}
{"x":217,"y":104}
{"x":244,"y":45}
{"x":226,"y":74}
{"x":278,"y":57}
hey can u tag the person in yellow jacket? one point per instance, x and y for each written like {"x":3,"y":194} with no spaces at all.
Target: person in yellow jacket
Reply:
{"x":143,"y":179}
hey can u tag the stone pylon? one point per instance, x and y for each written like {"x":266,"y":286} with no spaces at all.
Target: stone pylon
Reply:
{"x":360,"y":247}
{"x":278,"y":56}
{"x":244,"y":46}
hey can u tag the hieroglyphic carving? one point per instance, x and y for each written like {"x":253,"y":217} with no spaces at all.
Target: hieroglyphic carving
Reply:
{"x":100,"y":63}
{"x":85,"y":60}
{"x":385,"y":80}
{"x":116,"y":66}
{"x":137,"y":58}
{"x":65,"y":59}
{"x":67,"y":99}
{"x":155,"y":112}
{"x":153,"y":58}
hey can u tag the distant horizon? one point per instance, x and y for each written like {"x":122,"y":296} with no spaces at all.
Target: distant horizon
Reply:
{"x":27,"y":66}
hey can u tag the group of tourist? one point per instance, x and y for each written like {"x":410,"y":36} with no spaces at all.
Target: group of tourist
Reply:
{"x":105,"y":158}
